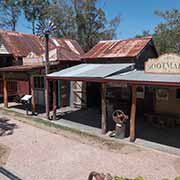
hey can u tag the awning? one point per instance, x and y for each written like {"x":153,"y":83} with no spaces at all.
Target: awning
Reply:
{"x":140,"y":77}
{"x":20,"y":68}
{"x":90,"y":72}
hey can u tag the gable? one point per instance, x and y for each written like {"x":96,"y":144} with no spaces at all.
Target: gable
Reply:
{"x":3,"y":49}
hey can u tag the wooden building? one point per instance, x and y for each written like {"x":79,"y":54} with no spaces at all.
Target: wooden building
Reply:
{"x":106,"y":59}
{"x":23,"y":64}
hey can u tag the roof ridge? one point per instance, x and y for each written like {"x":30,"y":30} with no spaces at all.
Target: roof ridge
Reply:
{"x":17,"y":33}
{"x":135,"y":38}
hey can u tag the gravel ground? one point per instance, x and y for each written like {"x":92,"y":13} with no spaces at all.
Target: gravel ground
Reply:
{"x":40,"y":155}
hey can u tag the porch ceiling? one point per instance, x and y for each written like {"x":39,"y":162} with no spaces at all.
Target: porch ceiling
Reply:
{"x":90,"y":71}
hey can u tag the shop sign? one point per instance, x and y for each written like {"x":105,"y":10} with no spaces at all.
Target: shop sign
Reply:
{"x":166,"y":64}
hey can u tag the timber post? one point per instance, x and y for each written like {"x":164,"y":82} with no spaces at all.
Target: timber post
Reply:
{"x":133,"y":115}
{"x":103,"y":108}
{"x":47,"y":98}
{"x":54,"y":100}
{"x":5,"y":91}
{"x":33,"y":94}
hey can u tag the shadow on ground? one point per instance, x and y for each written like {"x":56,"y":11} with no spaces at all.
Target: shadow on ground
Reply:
{"x":6,"y":127}
{"x":157,"y":134}
{"x":39,"y":109}
{"x":89,"y":117}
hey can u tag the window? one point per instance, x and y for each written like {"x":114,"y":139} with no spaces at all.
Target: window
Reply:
{"x":140,"y":91}
{"x":162,"y":94}
{"x":39,"y":82}
{"x":177,"y":93}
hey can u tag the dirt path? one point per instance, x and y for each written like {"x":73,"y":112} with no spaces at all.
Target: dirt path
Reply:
{"x":37,"y":154}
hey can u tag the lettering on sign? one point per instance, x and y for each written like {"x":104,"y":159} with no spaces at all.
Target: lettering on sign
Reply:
{"x":167,"y":64}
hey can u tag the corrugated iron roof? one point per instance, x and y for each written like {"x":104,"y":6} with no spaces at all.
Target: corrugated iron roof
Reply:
{"x":63,"y":55}
{"x":21,"y":44}
{"x":118,"y":48}
{"x":91,"y":70}
{"x":141,"y":76}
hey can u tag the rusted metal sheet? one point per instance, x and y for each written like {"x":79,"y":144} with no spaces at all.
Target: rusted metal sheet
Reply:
{"x":68,"y":44}
{"x":20,"y":45}
{"x":117,"y":48}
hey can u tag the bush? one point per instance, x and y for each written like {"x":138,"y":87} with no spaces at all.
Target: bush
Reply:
{"x":138,"y":178}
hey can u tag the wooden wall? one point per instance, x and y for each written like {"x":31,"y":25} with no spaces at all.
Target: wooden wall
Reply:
{"x":172,"y":105}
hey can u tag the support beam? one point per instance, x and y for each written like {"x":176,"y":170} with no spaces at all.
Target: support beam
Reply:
{"x":33,"y":94}
{"x":47,"y":98}
{"x":133,"y":115}
{"x":5,"y":91}
{"x":54,"y":100}
{"x":103,"y":108}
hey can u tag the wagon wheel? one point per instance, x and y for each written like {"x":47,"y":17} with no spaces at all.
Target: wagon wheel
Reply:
{"x":118,"y":116}
{"x":95,"y":175}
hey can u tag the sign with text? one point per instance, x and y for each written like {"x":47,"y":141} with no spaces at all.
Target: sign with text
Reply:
{"x":166,"y":64}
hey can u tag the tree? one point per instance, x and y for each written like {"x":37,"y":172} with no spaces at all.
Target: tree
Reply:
{"x":144,"y":33}
{"x":63,"y":16}
{"x":84,"y":21}
{"x":167,"y":34}
{"x":34,"y":10}
{"x":92,"y":25}
{"x":9,"y":14}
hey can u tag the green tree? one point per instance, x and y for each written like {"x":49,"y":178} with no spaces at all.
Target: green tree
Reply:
{"x":144,"y":33}
{"x":167,"y":34}
{"x":83,"y":20}
{"x":34,"y":10}
{"x":63,"y":16}
{"x":92,"y":25}
{"x":9,"y":13}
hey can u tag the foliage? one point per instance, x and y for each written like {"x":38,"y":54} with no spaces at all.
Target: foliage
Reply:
{"x":109,"y":177}
{"x":144,"y":33}
{"x":84,"y":21}
{"x":167,"y":33}
{"x":63,"y":16}
{"x":34,"y":10}
{"x":9,"y":13}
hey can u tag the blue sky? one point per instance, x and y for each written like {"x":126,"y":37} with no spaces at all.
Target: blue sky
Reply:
{"x":136,"y":15}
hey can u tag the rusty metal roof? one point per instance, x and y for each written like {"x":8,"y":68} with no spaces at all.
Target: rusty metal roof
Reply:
{"x":68,"y":44}
{"x":63,"y":55}
{"x":21,"y":44}
{"x":118,"y":48}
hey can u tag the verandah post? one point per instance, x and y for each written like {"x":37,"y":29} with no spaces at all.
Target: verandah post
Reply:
{"x":103,"y":108}
{"x":54,"y":100}
{"x":133,"y":114}
{"x":47,"y":98}
{"x":5,"y":91}
{"x":33,"y":94}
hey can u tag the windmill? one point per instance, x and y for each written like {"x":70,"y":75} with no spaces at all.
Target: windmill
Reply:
{"x":44,"y":29}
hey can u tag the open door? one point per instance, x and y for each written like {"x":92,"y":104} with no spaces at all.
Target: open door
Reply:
{"x":79,"y":94}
